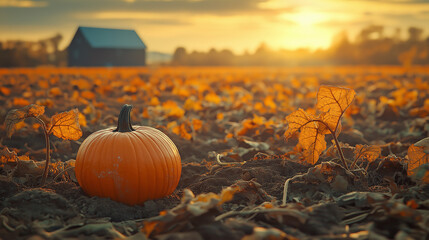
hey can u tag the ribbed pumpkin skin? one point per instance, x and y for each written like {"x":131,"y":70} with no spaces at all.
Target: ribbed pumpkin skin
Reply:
{"x":128,"y":167}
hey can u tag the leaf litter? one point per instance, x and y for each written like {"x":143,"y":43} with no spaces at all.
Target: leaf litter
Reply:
{"x":230,"y":130}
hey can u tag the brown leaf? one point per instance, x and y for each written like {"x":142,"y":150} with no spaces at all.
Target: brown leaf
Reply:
{"x":334,"y":101}
{"x":369,"y":153}
{"x":296,"y":121}
{"x":423,"y":143}
{"x":418,"y":154}
{"x":312,"y":139}
{"x":7,"y":156}
{"x":16,"y":116}
{"x":65,"y":125}
{"x":28,"y":167}
{"x":420,"y":174}
{"x":312,"y":135}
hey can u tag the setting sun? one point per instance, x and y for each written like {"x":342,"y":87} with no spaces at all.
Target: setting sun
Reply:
{"x":307,"y":18}
{"x":239,"y":25}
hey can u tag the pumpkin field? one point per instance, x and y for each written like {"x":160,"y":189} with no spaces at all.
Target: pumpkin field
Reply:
{"x":216,"y":153}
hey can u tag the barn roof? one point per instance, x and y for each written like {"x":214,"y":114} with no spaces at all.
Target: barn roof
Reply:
{"x":112,"y":38}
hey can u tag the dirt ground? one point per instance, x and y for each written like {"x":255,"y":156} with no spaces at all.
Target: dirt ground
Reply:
{"x":259,"y":189}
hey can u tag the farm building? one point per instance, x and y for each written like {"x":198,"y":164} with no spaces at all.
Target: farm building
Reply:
{"x":106,"y":47}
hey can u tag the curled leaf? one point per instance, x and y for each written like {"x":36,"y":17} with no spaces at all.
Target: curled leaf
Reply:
{"x":16,"y":116}
{"x":418,"y":154}
{"x":420,"y":174}
{"x":7,"y":156}
{"x":65,"y":125}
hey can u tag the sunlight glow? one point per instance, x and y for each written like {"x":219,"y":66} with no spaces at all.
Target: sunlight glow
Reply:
{"x":306,"y":18}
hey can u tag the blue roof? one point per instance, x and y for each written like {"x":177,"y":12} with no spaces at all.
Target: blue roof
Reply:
{"x":112,"y":38}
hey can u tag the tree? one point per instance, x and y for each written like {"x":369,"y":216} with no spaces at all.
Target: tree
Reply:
{"x":414,"y":34}
{"x":179,"y":56}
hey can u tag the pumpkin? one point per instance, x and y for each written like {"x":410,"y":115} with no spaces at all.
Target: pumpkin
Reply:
{"x":128,"y":164}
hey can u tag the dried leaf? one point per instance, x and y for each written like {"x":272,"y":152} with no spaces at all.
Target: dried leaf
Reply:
{"x":266,"y":233}
{"x":312,"y":136}
{"x":296,"y":121}
{"x":423,"y":143}
{"x":65,"y":125}
{"x":418,"y":154}
{"x":369,"y":153}
{"x":420,"y":174}
{"x":27,"y":168}
{"x":312,"y":139}
{"x":334,"y":101}
{"x":16,"y":116}
{"x":7,"y":156}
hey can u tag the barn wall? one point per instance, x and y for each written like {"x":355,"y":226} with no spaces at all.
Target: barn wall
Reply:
{"x":118,"y":57}
{"x":79,"y":51}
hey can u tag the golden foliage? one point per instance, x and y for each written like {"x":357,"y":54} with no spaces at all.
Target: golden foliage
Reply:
{"x":332,"y":102}
{"x":16,"y":116}
{"x":369,"y":153}
{"x":418,"y":154}
{"x":65,"y":125}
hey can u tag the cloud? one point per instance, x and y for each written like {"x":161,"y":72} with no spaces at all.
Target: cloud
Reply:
{"x":397,"y":1}
{"x":148,"y":18}
{"x":215,"y":7}
{"x":22,"y":3}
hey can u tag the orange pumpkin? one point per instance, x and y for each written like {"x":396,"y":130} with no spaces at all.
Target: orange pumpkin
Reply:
{"x":129,"y":164}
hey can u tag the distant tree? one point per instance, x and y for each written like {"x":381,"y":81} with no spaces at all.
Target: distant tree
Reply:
{"x":414,"y":34}
{"x":179,"y":56}
{"x":371,"y":32}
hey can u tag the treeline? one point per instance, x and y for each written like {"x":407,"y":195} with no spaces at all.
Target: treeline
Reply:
{"x":19,"y":53}
{"x":370,"y":47}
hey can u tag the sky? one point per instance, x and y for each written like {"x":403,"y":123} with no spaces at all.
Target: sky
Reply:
{"x":238,"y":25}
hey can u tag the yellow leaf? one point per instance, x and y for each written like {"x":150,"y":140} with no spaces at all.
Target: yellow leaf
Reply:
{"x":334,"y":101}
{"x":172,"y":109}
{"x":20,"y":102}
{"x":212,"y":98}
{"x":16,"y":116}
{"x":312,"y":139}
{"x":312,"y":135}
{"x":197,"y":124}
{"x":418,"y":154}
{"x":65,"y":125}
{"x":296,"y":121}
{"x":369,"y":153}
{"x":82,"y":84}
{"x":82,"y":120}
{"x":227,"y":194}
{"x":55,"y":92}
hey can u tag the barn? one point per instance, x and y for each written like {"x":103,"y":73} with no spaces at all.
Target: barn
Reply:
{"x":106,"y":47}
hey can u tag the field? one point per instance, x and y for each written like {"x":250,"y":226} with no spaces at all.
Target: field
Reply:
{"x":241,"y":177}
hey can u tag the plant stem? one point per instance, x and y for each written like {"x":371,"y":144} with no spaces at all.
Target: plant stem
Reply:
{"x":352,"y":166}
{"x":340,"y":151}
{"x":48,"y":149}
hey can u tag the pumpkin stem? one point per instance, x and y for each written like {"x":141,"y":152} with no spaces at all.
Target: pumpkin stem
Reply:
{"x":124,"y":123}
